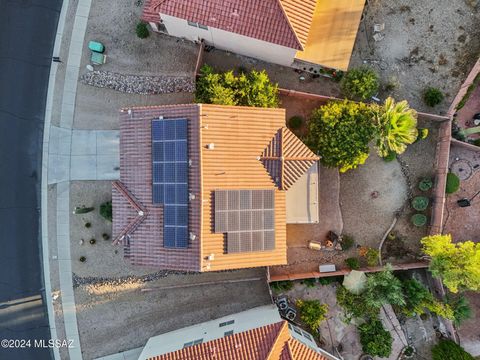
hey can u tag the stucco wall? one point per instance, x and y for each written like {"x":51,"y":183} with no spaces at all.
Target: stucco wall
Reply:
{"x":225,"y":40}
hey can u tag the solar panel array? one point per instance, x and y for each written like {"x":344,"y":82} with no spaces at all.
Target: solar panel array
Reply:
{"x":248,"y":219}
{"x":170,"y":178}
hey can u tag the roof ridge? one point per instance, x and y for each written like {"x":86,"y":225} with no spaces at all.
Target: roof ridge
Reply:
{"x":142,"y":212}
{"x":277,"y":339}
{"x":279,"y":2}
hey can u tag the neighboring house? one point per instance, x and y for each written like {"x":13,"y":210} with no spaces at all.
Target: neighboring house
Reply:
{"x":298,"y":33}
{"x":256,"y":334}
{"x":204,"y":187}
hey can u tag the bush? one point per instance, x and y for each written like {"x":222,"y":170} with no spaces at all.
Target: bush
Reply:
{"x":476,"y":142}
{"x":372,"y":257}
{"x":92,"y":241}
{"x":105,"y":236}
{"x":312,"y":313}
{"x":453,"y":183}
{"x":420,"y":203}
{"x":341,"y":132}
{"x":347,"y":242}
{"x":355,"y":306}
{"x":461,"y":309}
{"x":142,"y":30}
{"x":384,"y":288}
{"x":375,"y":340}
{"x":310,"y":283}
{"x":246,"y":89}
{"x":447,"y":349}
{"x":392,"y":155}
{"x":82,"y":259}
{"x":106,"y":210}
{"x":361,"y":83}
{"x":425,"y":184}
{"x":282,"y":285}
{"x":329,"y":280}
{"x":432,"y":96}
{"x":419,"y":220}
{"x":353,"y":263}
{"x":88,"y":225}
{"x":422,"y":133}
{"x":295,"y":122}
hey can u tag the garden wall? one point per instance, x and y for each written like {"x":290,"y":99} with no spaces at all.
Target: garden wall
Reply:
{"x":464,"y":88}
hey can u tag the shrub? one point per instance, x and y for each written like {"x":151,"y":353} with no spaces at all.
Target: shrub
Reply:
{"x":422,"y":133}
{"x":392,"y":155}
{"x":354,"y":306}
{"x":425,"y":184}
{"x":372,"y":257}
{"x":282,"y":285}
{"x":432,"y":96}
{"x":448,"y":349}
{"x":93,"y":241}
{"x":330,"y":280}
{"x":312,"y":313}
{"x":142,"y":30}
{"x":361,"y":83}
{"x":375,"y":340}
{"x":353,"y":263}
{"x":383,"y":288}
{"x":341,"y":132}
{"x":310,"y":283}
{"x":461,"y":309}
{"x":246,"y":89}
{"x":82,"y":259}
{"x":453,"y":183}
{"x":476,"y":142}
{"x":420,"y":203}
{"x":347,"y":242}
{"x":88,"y":225}
{"x":105,"y":236}
{"x":419,"y":220}
{"x":106,"y":210}
{"x":82,"y":210}
{"x":295,"y":122}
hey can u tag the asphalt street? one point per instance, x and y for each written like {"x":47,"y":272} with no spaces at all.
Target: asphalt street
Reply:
{"x":27,"y":33}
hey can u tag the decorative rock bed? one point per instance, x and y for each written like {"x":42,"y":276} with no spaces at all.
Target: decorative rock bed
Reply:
{"x":139,"y":84}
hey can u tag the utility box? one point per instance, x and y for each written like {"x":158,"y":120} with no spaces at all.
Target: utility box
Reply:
{"x":96,"y":46}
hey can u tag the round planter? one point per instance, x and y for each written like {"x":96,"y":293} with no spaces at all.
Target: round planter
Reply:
{"x":419,"y":220}
{"x":420,"y":203}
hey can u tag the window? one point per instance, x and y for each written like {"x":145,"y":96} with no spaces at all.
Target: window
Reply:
{"x":307,"y":335}
{"x":297,"y":330}
{"x":228,"y":333}
{"x":194,"y":342}
{"x":229,"y":322}
{"x":195,"y":24}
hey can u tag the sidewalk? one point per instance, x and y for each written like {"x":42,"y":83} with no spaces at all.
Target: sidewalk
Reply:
{"x":57,"y":142}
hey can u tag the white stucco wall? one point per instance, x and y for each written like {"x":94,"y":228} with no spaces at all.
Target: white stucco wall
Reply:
{"x":235,"y":43}
{"x":210,"y":330}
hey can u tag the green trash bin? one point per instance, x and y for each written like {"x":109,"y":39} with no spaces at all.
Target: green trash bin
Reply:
{"x":96,"y":46}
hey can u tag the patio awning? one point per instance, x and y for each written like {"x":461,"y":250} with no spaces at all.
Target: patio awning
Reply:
{"x":332,"y":34}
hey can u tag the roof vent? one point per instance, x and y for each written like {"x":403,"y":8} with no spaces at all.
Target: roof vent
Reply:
{"x":160,"y":118}
{"x":191,"y":196}
{"x":205,"y":126}
{"x":208,"y":266}
{"x":141,"y":213}
{"x":190,"y":162}
{"x":129,"y":111}
{"x":211,"y":257}
{"x":211,"y":146}
{"x":192,"y":236}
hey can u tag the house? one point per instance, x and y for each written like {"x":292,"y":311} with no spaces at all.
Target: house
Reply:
{"x":204,"y":187}
{"x":306,"y":34}
{"x":255,"y":334}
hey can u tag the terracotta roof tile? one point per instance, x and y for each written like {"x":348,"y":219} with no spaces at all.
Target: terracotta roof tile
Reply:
{"x":265,"y":20}
{"x":239,"y":135}
{"x":271,"y":342}
{"x":287,"y":158}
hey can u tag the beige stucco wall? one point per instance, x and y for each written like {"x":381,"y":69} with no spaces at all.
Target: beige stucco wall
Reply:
{"x":225,"y":40}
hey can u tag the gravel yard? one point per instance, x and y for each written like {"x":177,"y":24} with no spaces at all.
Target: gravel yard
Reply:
{"x":117,"y":317}
{"x":425,"y":43}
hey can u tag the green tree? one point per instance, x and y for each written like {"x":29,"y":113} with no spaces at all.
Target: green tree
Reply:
{"x":375,"y":340}
{"x":384,"y":288}
{"x":354,"y":305}
{"x":247,"y":89}
{"x":340,"y":132}
{"x":312,"y":313}
{"x":447,"y":349}
{"x":457,"y":264}
{"x":461,"y":308}
{"x":360,"y":84}
{"x":396,"y":127}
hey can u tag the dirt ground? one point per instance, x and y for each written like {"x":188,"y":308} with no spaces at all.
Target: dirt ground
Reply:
{"x":426,"y":43}
{"x":117,"y":317}
{"x":463,"y":223}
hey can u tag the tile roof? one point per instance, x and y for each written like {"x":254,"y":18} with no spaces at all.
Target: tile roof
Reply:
{"x":270,"y":342}
{"x":287,"y":158}
{"x":282,"y":22}
{"x":240,"y":136}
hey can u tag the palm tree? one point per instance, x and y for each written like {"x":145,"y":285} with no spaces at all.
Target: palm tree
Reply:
{"x":397,"y":127}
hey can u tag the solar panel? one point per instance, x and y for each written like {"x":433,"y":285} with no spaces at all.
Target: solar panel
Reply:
{"x":170,"y":178}
{"x":247,"y":217}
